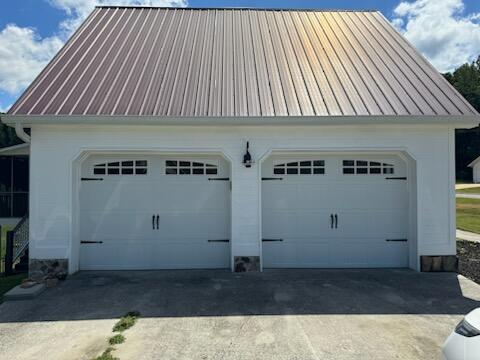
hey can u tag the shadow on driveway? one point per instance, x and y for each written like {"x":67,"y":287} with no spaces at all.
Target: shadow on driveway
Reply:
{"x":110,"y":294}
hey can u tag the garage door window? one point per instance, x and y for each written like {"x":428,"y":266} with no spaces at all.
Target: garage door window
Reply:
{"x":364,"y":167}
{"x":183,"y":167}
{"x":125,"y":167}
{"x":305,"y":167}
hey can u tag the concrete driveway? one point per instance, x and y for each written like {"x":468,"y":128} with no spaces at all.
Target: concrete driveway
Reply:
{"x":288,"y":314}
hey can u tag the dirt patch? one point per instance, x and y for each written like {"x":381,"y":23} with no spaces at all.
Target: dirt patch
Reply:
{"x":469,"y":259}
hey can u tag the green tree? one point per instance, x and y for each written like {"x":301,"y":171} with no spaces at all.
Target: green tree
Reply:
{"x":7,"y":135}
{"x":466,"y":79}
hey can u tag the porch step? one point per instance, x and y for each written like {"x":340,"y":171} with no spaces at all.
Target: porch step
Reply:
{"x":18,"y":293}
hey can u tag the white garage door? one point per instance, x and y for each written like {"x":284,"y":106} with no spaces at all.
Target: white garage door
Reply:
{"x":154,"y":212}
{"x":334,"y":211}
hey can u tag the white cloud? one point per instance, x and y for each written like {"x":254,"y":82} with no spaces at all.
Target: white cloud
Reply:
{"x":23,"y":53}
{"x":440,"y":30}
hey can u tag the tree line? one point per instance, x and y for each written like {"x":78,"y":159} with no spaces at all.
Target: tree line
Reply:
{"x":466,"y":79}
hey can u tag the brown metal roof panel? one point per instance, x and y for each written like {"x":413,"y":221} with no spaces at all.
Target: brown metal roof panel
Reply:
{"x":163,"y":31}
{"x":90,"y":90}
{"x":365,"y":101}
{"x":215,"y":94}
{"x":228,"y":81}
{"x":393,"y":74}
{"x":174,"y":68}
{"x":266,"y":97}
{"x":51,"y":84}
{"x":192,"y":77}
{"x":101,"y":93}
{"x":429,"y":103}
{"x":327,"y":73}
{"x":149,"y":103}
{"x":174,"y":106}
{"x":297,"y":76}
{"x":276,"y":86}
{"x":140,"y":57}
{"x":79,"y":76}
{"x":374,"y":58}
{"x":238,"y":62}
{"x":337,"y":66}
{"x":314,"y":93}
{"x":291,"y":97}
{"x":318,"y":83}
{"x":90,"y":71}
{"x":460,"y":103}
{"x":250,"y":72}
{"x":28,"y":98}
{"x":238,"y":58}
{"x":125,"y":65}
{"x":367,"y":70}
{"x":204,"y":81}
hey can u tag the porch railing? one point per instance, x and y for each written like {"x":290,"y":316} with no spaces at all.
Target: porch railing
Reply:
{"x":17,"y":244}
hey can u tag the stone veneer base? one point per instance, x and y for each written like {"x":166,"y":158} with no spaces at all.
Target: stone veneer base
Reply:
{"x":40,"y":269}
{"x":443,"y":263}
{"x":247,"y":263}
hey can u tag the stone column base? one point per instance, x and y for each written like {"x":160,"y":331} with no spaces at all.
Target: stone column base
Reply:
{"x":443,"y":263}
{"x":40,"y":269}
{"x":247,"y":263}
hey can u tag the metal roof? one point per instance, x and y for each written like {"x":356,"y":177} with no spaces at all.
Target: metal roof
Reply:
{"x":180,"y":62}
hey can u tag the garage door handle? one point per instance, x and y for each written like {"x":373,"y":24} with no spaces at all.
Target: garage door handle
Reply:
{"x":158,"y":220}
{"x":331,"y":221}
{"x":336,"y":221}
{"x":153,"y":222}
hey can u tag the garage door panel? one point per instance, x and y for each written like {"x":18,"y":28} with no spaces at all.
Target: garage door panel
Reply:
{"x":195,"y":196}
{"x":279,"y":196}
{"x":293,"y":252}
{"x":314,"y":224}
{"x":311,"y":196}
{"x":110,"y":225}
{"x":369,"y":210}
{"x":191,"y":224}
{"x":389,"y":254}
{"x":118,"y":213}
{"x":110,"y":195}
{"x":279,"y":223}
{"x":388,"y":196}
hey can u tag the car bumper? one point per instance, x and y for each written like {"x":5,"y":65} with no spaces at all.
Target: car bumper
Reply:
{"x":458,"y":347}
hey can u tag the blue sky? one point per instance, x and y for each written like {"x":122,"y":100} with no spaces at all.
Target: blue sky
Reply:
{"x":447,"y":32}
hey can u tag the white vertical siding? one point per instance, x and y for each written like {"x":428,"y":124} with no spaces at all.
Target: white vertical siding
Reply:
{"x":55,"y":147}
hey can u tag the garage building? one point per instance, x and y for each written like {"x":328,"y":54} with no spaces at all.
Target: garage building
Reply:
{"x":242,"y":139}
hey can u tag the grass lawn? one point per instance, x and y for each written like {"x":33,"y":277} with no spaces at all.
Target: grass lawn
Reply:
{"x":475,"y":190}
{"x":468,"y":215}
{"x":8,"y":282}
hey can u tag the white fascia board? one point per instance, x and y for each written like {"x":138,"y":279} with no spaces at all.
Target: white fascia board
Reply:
{"x":21,"y":149}
{"x":458,"y":122}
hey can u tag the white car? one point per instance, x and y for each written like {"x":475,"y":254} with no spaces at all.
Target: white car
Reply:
{"x":464,"y":342}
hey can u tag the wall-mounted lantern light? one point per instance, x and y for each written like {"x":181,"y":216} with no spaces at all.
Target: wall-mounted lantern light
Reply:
{"x":247,"y":158}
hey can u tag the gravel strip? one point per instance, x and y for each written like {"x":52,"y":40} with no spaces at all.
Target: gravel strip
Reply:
{"x":469,"y":259}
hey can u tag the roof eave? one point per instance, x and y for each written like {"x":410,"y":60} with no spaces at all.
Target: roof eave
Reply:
{"x":459,"y":122}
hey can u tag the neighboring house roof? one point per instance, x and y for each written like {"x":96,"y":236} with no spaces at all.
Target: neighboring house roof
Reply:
{"x":236,"y":63}
{"x":474,"y":162}
{"x":21,"y":149}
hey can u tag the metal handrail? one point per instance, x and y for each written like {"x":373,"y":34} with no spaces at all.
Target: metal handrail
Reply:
{"x":20,"y":237}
